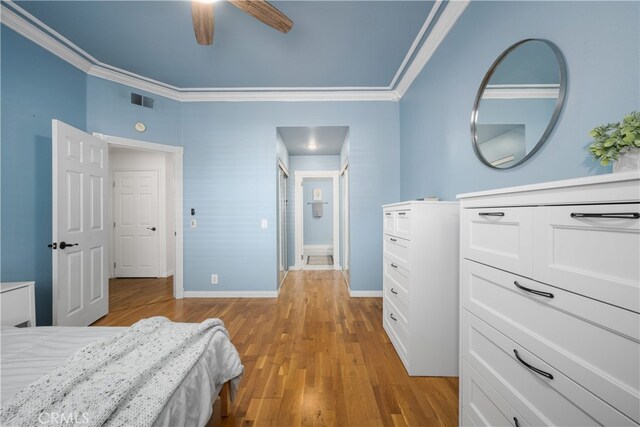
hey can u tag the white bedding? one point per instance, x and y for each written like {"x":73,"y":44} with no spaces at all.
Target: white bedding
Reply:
{"x":29,"y":353}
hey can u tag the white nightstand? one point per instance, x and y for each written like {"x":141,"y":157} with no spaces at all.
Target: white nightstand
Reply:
{"x":17,"y":300}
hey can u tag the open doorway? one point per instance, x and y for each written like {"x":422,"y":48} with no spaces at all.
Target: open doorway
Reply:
{"x":142,"y":210}
{"x":317,"y":220}
{"x":145,"y":203}
{"x":312,"y":232}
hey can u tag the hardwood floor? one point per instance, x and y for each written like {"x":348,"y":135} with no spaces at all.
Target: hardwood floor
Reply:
{"x":125,"y":294}
{"x":314,"y":356}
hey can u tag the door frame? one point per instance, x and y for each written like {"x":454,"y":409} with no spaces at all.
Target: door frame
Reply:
{"x":178,"y":159}
{"x":346,"y":238}
{"x":299,"y":214}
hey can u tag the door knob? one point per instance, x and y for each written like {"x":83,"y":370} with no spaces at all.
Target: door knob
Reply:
{"x":53,"y":245}
{"x":67,"y":245}
{"x":151,"y":228}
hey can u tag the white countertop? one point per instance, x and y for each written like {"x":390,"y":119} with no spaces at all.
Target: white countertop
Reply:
{"x":575,"y":182}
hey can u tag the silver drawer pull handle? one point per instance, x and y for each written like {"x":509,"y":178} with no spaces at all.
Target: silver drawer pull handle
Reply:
{"x":622,"y":215}
{"x":533,"y":368}
{"x":394,"y":319}
{"x":394,"y":265}
{"x":393,"y":292}
{"x":491,"y":213}
{"x":388,"y":213}
{"x":533,"y":291}
{"x":402,"y":213}
{"x":392,"y":239}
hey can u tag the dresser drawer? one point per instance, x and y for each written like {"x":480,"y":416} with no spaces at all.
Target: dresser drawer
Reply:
{"x":397,"y":222}
{"x":602,"y":354}
{"x":594,"y":256}
{"x":397,"y":250}
{"x":395,"y":271}
{"x":396,"y":316}
{"x":389,"y":222}
{"x":502,"y":237}
{"x":483,"y":406}
{"x":396,"y":293}
{"x":557,"y":400}
{"x":403,"y":224}
{"x":396,"y":333}
{"x":17,"y":304}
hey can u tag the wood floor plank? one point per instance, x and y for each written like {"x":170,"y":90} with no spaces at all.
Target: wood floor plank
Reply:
{"x":313,"y":356}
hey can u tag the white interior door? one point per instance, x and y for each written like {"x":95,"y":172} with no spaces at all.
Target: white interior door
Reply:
{"x":80,"y":275}
{"x":136,"y":223}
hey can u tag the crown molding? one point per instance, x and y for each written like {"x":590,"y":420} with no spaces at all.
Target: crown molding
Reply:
{"x":416,"y":41}
{"x":18,"y":24}
{"x":521,"y":91}
{"x":38,"y":32}
{"x":441,"y":28}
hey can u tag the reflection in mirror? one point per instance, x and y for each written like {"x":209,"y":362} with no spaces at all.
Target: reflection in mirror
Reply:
{"x":518,"y":103}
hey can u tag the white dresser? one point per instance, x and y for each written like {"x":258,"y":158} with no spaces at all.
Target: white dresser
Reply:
{"x":550,"y":296}
{"x":17,"y":302}
{"x":421,"y":285}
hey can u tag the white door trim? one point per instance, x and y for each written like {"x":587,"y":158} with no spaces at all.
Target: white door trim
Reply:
{"x":346,"y":241}
{"x":335,"y":178}
{"x":178,"y":154}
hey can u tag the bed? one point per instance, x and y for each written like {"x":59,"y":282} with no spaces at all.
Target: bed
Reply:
{"x":29,"y":355}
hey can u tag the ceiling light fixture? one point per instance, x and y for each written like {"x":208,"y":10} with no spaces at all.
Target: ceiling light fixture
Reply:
{"x":312,"y":146}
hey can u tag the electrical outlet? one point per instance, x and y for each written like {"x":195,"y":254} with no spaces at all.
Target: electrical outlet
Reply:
{"x":194,"y":224}
{"x":214,"y":279}
{"x":264,"y":224}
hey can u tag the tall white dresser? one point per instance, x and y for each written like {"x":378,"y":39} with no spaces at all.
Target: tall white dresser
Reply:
{"x":550,"y":295}
{"x":420,"y":309}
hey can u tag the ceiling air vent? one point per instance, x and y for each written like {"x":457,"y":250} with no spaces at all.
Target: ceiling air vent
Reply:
{"x":143,"y":101}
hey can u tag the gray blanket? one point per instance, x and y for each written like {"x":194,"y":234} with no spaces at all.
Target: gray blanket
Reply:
{"x":123,"y":380}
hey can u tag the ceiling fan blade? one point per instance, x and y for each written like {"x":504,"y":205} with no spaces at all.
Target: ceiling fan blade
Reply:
{"x":263,"y":11}
{"x":202,"y":14}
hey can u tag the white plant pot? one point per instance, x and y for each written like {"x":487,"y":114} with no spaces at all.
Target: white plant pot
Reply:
{"x":628,"y":161}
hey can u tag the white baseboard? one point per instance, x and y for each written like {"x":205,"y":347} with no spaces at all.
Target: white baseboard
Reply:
{"x":365,"y":294}
{"x":318,"y":249}
{"x":167,"y":274}
{"x":230,"y":294}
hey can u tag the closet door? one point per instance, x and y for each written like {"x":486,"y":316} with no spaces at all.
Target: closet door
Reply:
{"x":282,"y":219}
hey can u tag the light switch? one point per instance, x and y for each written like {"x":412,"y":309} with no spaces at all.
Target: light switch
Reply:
{"x":193,"y":223}
{"x":264,"y":224}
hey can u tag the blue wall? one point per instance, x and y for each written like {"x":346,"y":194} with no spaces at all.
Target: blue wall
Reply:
{"x":318,"y":230}
{"x":229,"y":151}
{"x":228,"y":171}
{"x":601,"y":45}
{"x":36,"y":87}
{"x":110,"y":111}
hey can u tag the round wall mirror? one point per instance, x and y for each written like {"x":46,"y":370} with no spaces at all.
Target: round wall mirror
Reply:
{"x":518,"y":103}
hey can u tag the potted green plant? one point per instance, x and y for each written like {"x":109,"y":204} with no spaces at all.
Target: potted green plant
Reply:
{"x":618,"y":143}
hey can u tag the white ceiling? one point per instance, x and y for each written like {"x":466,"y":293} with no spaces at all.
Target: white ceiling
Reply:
{"x":329,"y":139}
